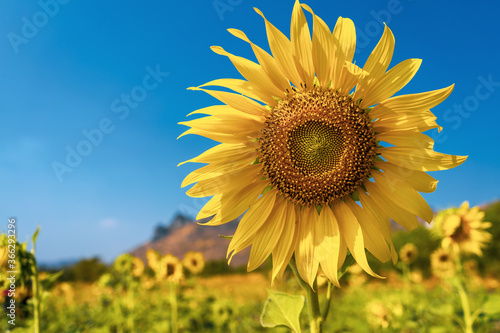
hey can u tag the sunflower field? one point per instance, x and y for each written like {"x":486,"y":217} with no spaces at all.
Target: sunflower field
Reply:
{"x":431,"y":289}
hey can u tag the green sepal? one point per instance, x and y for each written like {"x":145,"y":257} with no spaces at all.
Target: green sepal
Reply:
{"x":282,"y":309}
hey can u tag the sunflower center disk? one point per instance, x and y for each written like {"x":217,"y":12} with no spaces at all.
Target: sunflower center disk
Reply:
{"x":317,"y":146}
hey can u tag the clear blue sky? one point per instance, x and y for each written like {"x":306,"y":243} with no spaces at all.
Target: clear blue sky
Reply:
{"x":69,"y":72}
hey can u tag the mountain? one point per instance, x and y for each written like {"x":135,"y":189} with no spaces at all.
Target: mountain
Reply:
{"x":184,"y":235}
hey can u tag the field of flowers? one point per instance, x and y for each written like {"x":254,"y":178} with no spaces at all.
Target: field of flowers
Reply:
{"x":430,"y":289}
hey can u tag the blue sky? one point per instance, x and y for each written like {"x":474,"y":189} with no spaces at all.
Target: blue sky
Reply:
{"x":109,"y":79}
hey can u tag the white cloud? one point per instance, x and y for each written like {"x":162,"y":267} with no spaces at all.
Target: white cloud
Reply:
{"x":108,"y":223}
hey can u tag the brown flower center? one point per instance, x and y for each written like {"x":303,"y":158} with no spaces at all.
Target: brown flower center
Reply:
{"x":317,"y":146}
{"x":461,"y":233}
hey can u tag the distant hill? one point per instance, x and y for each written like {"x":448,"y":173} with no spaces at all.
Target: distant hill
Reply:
{"x":184,"y":235}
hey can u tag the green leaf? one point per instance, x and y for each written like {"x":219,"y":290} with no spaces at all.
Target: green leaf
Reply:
{"x":35,"y":235}
{"x":492,"y":305}
{"x":282,"y":309}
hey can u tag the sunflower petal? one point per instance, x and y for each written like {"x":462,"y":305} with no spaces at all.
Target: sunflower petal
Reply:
{"x":389,"y":208}
{"x":344,"y":45}
{"x":392,"y":81}
{"x":225,"y":183}
{"x":267,"y":62}
{"x":321,"y":48}
{"x":305,"y":253}
{"x":224,"y":153}
{"x":353,"y":235}
{"x":421,"y":159}
{"x":302,"y":45}
{"x":251,"y":71}
{"x":245,"y":88}
{"x":406,"y":138}
{"x":420,"y":122}
{"x":251,"y":222}
{"x":268,"y":235}
{"x":411,"y":103}
{"x":419,"y":180}
{"x":374,"y":240}
{"x":286,"y":245}
{"x":328,"y":242}
{"x":281,"y":49}
{"x":380,"y":58}
{"x":237,"y":101}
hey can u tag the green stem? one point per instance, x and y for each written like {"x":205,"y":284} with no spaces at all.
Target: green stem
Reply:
{"x":326,"y":307}
{"x":36,"y":293}
{"x":315,"y":319}
{"x":173,"y":307}
{"x":464,"y":299}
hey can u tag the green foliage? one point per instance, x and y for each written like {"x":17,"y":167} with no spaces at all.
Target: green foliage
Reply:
{"x":282,"y":309}
{"x":489,"y":263}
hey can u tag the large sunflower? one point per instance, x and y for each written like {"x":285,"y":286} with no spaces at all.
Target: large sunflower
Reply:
{"x":315,"y":151}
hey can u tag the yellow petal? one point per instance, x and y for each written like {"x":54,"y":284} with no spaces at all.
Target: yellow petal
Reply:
{"x":229,"y":206}
{"x":225,"y":183}
{"x":251,"y":71}
{"x":301,"y":45}
{"x":411,"y":103}
{"x":223,"y":137}
{"x":380,"y":58}
{"x":224,"y":153}
{"x":373,"y":238}
{"x":305,"y":253}
{"x":251,"y":222}
{"x":382,"y":221}
{"x":391,"y":82}
{"x":344,"y":45}
{"x":321,"y":48}
{"x":420,"y":122}
{"x":406,"y":138}
{"x":353,"y":235}
{"x":215,"y":170}
{"x":244,"y":87}
{"x":419,"y":180}
{"x":283,"y":251}
{"x":267,"y":62}
{"x":421,"y":159}
{"x":224,"y":124}
{"x":403,"y":195}
{"x":237,"y":101}
{"x":226,"y":111}
{"x":267,"y":236}
{"x":389,"y":208}
{"x":281,"y":49}
{"x":328,"y":243}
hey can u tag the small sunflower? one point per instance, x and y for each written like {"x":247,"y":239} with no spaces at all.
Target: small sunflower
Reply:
{"x":194,"y":262}
{"x":170,"y":269}
{"x":124,"y":263}
{"x":462,"y":229}
{"x":137,"y":267}
{"x":315,"y":151}
{"x":442,"y":263}
{"x":153,"y":258}
{"x":408,"y":253}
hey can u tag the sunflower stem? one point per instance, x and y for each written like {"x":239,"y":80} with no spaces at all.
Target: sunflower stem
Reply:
{"x":312,"y":301}
{"x":326,"y":307}
{"x":464,"y":299}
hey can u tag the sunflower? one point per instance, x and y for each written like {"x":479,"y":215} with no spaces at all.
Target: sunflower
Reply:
{"x":193,"y":262}
{"x":153,"y":258}
{"x":408,"y":253}
{"x":462,"y":229}
{"x":442,"y":263}
{"x":315,"y":151}
{"x":137,"y":267}
{"x":170,"y":269}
